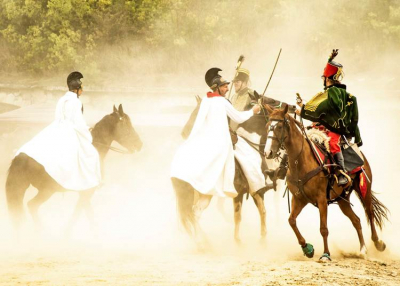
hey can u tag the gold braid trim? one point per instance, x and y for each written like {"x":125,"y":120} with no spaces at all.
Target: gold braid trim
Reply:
{"x":313,"y":104}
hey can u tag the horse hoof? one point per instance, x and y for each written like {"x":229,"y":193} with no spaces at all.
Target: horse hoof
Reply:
{"x":325,"y":258}
{"x":380,"y":245}
{"x":238,"y":241}
{"x":308,"y":250}
{"x":363,"y":252}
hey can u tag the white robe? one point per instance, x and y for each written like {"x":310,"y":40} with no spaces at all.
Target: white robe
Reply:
{"x":250,"y":162}
{"x":64,"y":148}
{"x":206,"y":159}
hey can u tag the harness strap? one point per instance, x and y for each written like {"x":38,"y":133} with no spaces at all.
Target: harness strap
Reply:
{"x":301,"y":182}
{"x":252,"y":144}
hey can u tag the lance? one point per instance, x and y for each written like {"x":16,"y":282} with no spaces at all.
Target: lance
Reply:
{"x":276,"y":62}
{"x":238,"y":65}
{"x":362,"y":169}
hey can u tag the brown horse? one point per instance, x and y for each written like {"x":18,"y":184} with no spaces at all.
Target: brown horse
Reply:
{"x":25,"y":171}
{"x":192,"y":203}
{"x":283,"y":133}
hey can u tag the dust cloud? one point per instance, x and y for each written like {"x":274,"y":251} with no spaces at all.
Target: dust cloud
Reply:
{"x":137,"y":231}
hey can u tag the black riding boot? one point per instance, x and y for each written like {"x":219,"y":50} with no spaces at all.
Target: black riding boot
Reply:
{"x":342,"y":180}
{"x":280,"y":172}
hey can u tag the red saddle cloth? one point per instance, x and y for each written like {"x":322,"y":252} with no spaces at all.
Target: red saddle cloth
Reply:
{"x":321,"y":157}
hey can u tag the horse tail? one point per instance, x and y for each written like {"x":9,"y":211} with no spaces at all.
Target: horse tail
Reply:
{"x":184,"y":202}
{"x":379,"y":210}
{"x":16,"y":184}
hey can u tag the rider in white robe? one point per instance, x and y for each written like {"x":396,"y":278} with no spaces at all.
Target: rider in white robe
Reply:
{"x":64,"y":148}
{"x":206,"y":159}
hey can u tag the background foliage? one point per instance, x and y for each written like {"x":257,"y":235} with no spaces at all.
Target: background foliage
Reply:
{"x":43,"y":37}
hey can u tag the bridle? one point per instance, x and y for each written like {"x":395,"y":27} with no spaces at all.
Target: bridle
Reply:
{"x":286,"y":126}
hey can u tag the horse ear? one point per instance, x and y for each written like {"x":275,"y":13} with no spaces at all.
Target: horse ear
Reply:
{"x":120,"y":110}
{"x":198,"y":99}
{"x":268,"y":108}
{"x":115,"y":109}
{"x":285,"y":109}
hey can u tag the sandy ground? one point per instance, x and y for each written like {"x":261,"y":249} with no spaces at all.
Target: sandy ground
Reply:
{"x":138,"y":241}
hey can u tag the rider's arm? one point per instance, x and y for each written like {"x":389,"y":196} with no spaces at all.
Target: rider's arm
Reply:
{"x":237,"y":116}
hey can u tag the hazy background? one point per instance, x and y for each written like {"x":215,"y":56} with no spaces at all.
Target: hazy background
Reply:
{"x":151,"y":56}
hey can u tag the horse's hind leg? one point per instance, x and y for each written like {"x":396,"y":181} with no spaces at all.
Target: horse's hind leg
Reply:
{"x":237,"y":208}
{"x":34,"y":204}
{"x":355,"y":220}
{"x":259,"y":201}
{"x":201,"y":204}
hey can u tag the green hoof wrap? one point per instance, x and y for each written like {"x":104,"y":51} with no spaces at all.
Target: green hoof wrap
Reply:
{"x":308,"y":250}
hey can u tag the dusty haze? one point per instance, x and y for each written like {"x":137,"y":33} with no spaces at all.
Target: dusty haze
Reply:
{"x":138,"y":239}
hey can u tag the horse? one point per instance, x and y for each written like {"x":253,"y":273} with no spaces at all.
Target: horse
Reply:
{"x":308,"y":184}
{"x":25,"y":171}
{"x":191,"y":203}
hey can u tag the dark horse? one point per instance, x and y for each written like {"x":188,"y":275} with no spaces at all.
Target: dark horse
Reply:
{"x":191,"y":203}
{"x":24,"y":171}
{"x":283,"y":133}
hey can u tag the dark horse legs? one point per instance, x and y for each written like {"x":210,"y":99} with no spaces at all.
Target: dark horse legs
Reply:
{"x":34,"y":204}
{"x":83,"y":204}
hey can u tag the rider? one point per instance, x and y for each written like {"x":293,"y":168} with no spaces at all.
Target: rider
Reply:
{"x":64,"y":148}
{"x":243,"y":99}
{"x":336,"y":110}
{"x":206,"y":158}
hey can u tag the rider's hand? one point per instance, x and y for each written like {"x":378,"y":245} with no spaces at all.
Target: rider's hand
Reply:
{"x":298,"y":111}
{"x":256,"y":109}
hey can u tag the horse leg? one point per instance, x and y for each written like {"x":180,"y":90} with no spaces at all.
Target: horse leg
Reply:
{"x":323,"y":213}
{"x":201,"y":204}
{"x":259,"y":201}
{"x":297,"y":207}
{"x":83,"y":204}
{"x":355,"y":220}
{"x":34,"y":204}
{"x":237,"y":208}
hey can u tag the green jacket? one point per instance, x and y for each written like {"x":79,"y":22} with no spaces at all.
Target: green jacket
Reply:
{"x":336,"y":109}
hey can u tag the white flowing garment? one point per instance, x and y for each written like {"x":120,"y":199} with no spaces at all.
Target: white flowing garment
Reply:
{"x":64,"y":148}
{"x":206,"y":159}
{"x":250,"y":162}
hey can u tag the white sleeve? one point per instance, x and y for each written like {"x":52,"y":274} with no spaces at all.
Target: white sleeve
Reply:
{"x":235,"y":115}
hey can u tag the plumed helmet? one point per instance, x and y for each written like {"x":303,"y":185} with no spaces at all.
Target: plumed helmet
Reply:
{"x":213,"y":79}
{"x":333,"y":70}
{"x":242,"y":75}
{"x":74,"y":80}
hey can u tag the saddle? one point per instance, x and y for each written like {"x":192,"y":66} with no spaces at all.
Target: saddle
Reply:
{"x":319,"y":143}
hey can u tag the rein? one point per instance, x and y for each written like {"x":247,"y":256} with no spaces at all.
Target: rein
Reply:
{"x":115,"y":149}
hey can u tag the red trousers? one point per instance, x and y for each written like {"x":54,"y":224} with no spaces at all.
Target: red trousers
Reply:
{"x":334,"y":142}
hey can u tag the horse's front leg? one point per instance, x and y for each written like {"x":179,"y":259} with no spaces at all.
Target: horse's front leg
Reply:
{"x":323,"y":213}
{"x":297,"y":207}
{"x":259,"y":201}
{"x":200,"y":205}
{"x":83,"y":204}
{"x":237,"y":209}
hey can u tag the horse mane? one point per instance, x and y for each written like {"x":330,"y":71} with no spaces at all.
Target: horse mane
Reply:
{"x":106,"y":123}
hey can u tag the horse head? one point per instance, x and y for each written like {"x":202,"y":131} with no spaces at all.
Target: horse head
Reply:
{"x":189,"y":124}
{"x":277,"y":130}
{"x":124,"y":133}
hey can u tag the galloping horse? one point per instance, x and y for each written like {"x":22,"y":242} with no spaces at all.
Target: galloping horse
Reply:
{"x":305,"y":188}
{"x":192,"y":203}
{"x":25,"y":171}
